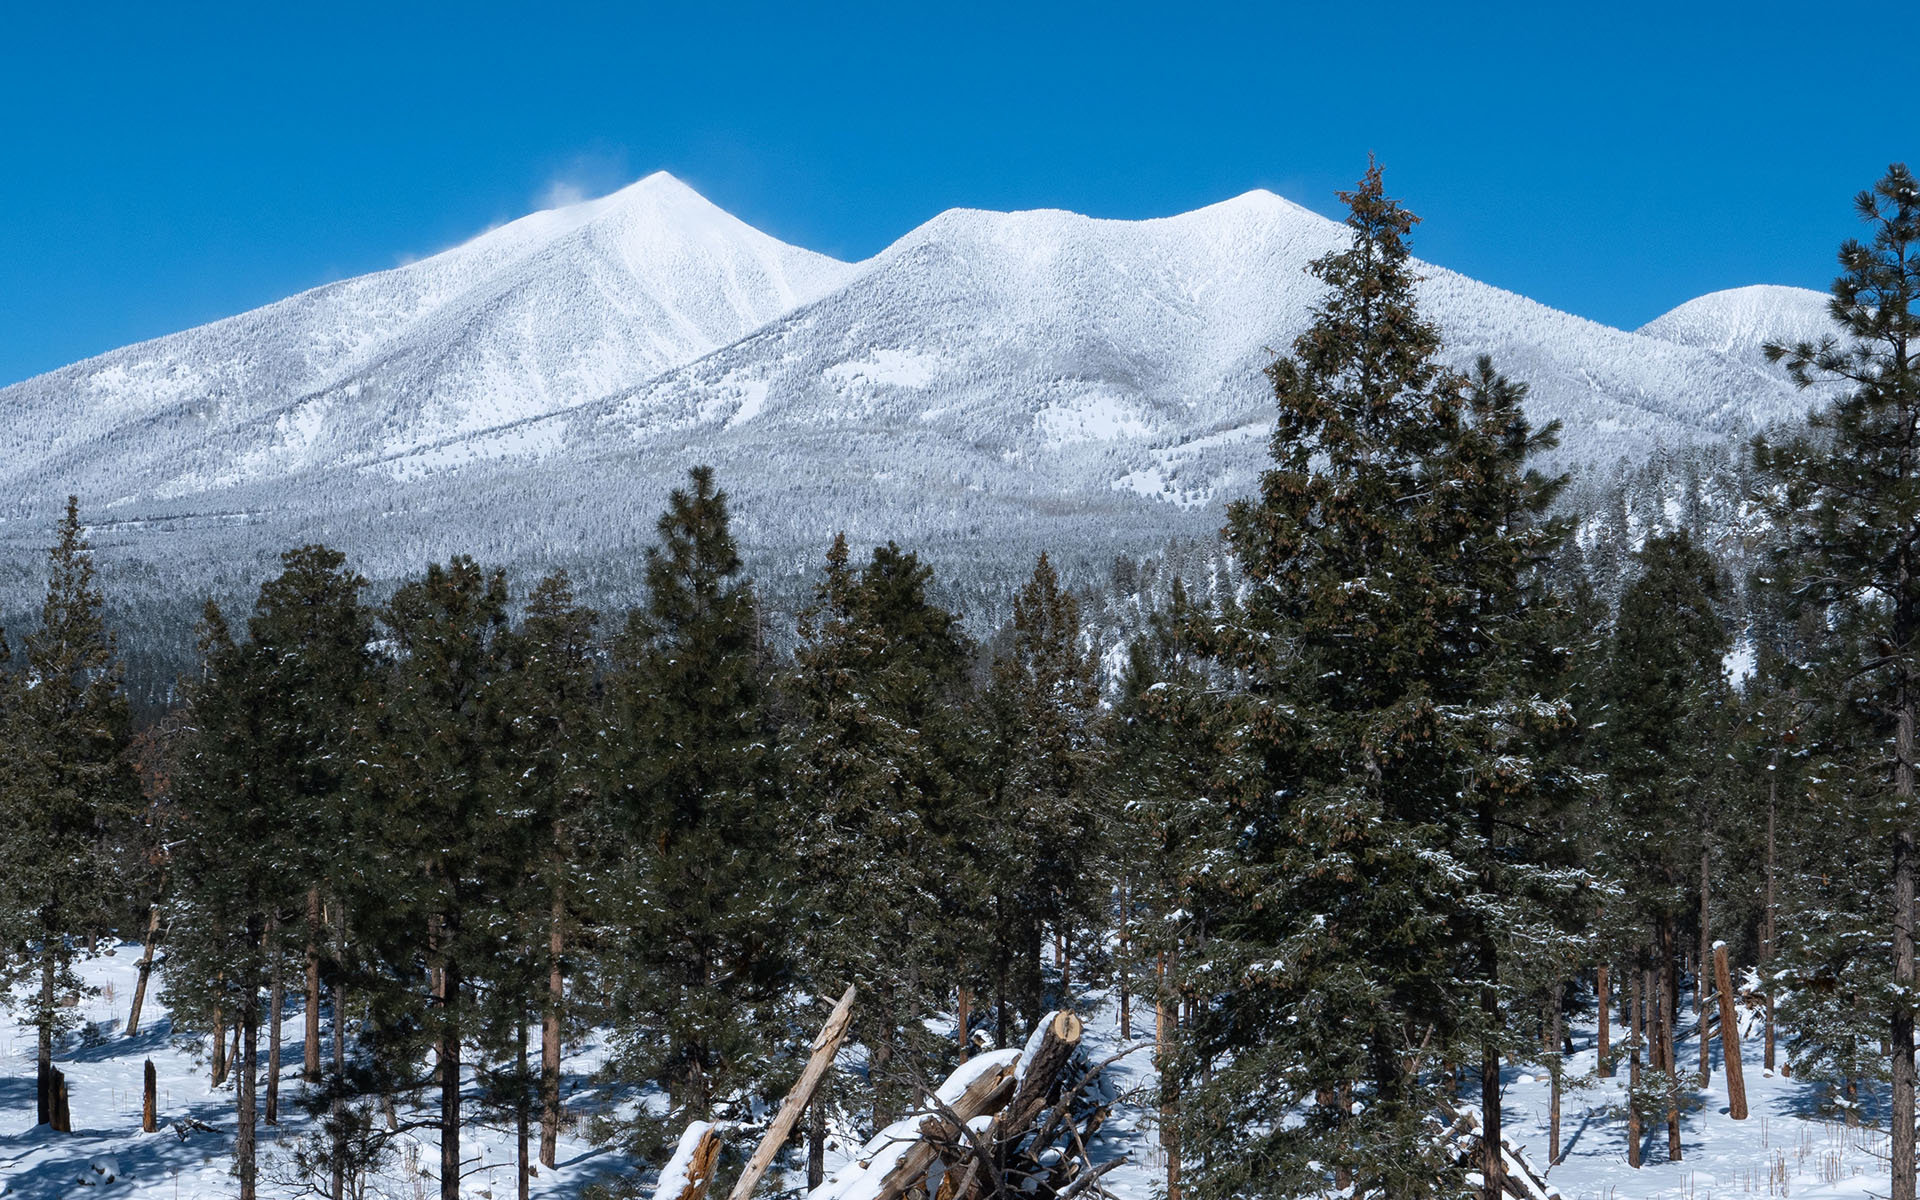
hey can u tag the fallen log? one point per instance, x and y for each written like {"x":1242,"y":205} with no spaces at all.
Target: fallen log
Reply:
{"x":690,"y":1171}
{"x":824,"y":1048}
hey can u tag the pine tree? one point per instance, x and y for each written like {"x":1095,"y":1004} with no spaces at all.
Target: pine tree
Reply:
{"x":700,"y":962}
{"x":877,"y":674}
{"x":444,"y":837}
{"x":70,"y":790}
{"x":1667,"y":727}
{"x":1042,"y":825}
{"x":1849,"y":501}
{"x":1390,"y":729}
{"x":552,"y":730}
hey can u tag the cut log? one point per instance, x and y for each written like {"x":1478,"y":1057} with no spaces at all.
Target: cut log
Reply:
{"x":689,"y":1172}
{"x":897,"y":1157}
{"x":824,"y":1048}
{"x":149,"y":1119}
{"x":1048,"y":1051}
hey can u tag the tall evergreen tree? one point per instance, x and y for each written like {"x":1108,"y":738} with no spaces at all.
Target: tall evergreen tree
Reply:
{"x":70,"y":790}
{"x":1849,"y":501}
{"x":443,"y":839}
{"x":1041,"y":821}
{"x":877,"y":675}
{"x":702,"y":959}
{"x":1388,"y":731}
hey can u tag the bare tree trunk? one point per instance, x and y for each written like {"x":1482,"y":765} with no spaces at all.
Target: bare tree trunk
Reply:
{"x":43,"y":1062}
{"x":245,"y":1098}
{"x":1729,"y":1036}
{"x":1605,"y":1047}
{"x":1903,"y":973}
{"x":219,"y":1068}
{"x":963,"y":1004}
{"x":339,"y":990}
{"x":817,"y":1140}
{"x":146,"y":970}
{"x":312,"y":1074}
{"x":1767,"y":915}
{"x":550,"y":1023}
{"x":447,"y":1057}
{"x":149,"y":1100}
{"x":1125,"y":968}
{"x":1669,"y":1003}
{"x":276,"y":1000}
{"x":1163,"y":1027}
{"x":520,"y":1113}
{"x":1634,"y":991}
{"x":1555,"y":1066}
{"x":1700,"y":988}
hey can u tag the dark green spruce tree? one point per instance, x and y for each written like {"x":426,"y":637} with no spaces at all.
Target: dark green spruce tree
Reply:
{"x":698,"y":959}
{"x":1042,"y":825}
{"x":1388,"y":735}
{"x":443,"y":840}
{"x":1847,"y":498}
{"x":69,"y":792}
{"x":876,"y":680}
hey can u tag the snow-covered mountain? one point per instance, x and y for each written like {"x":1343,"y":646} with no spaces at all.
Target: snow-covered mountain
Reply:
{"x":990,"y":384}
{"x":546,"y":312}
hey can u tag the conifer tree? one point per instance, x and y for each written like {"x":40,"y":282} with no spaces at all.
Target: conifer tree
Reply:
{"x":70,"y":789}
{"x":700,"y":962}
{"x":1042,"y":825}
{"x":1667,"y":725}
{"x":552,"y":727}
{"x":1849,"y":501}
{"x":877,"y":674}
{"x":1388,"y":729}
{"x":447,"y":839}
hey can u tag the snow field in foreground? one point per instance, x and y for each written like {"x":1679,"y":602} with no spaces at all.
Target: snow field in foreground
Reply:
{"x":1784,"y":1149}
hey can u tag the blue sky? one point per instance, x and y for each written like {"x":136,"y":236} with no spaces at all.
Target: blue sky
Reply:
{"x":164,"y":165}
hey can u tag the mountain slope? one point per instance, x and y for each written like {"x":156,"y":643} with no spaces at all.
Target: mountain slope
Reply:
{"x":990,"y":385}
{"x":548,"y":311}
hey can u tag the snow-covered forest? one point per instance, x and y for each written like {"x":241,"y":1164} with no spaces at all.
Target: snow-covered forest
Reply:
{"x":1442,"y":828}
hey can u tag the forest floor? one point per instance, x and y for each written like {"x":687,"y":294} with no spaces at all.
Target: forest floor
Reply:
{"x":1786,"y":1148}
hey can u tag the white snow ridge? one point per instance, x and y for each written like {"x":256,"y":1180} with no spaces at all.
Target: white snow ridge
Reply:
{"x":1002,"y":381}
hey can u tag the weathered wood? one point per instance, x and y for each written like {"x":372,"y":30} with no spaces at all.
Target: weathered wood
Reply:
{"x":1059,"y":1039}
{"x":62,"y":1121}
{"x":986,"y":1095}
{"x":146,"y":970}
{"x":1729,"y":1036}
{"x":824,"y":1048}
{"x":695,"y":1175}
{"x":149,"y":1117}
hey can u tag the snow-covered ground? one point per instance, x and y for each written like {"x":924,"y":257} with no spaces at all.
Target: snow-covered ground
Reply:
{"x":1784,"y":1149}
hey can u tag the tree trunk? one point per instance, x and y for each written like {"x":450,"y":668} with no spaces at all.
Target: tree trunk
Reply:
{"x":1903,"y":973}
{"x":550,"y":1023}
{"x":245,"y":1098}
{"x":1669,"y":1002}
{"x":1605,"y":1046}
{"x":312,"y":1074}
{"x":1555,"y":1066}
{"x":62,"y":1116}
{"x":1633,"y":1068}
{"x":819,"y":1062}
{"x":339,"y":998}
{"x":447,"y":1058}
{"x":276,"y":1000}
{"x":817,"y":1141}
{"x":1492,"y":1165}
{"x":149,"y":1106}
{"x":43,"y":1020}
{"x":1124,"y":972}
{"x":1163,"y":1029}
{"x":219,"y":1068}
{"x":146,"y":970}
{"x":1729,"y":1036}
{"x":963,"y":1018}
{"x":520,"y":1111}
{"x":1700,"y":989}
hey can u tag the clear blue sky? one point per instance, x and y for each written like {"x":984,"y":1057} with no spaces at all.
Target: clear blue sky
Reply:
{"x":162,"y":165}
